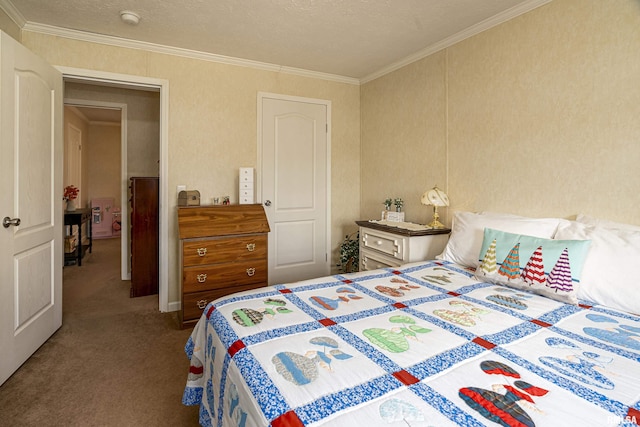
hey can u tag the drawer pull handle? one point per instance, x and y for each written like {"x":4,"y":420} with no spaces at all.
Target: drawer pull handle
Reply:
{"x":202,"y":304}
{"x":378,"y":242}
{"x":251,"y":247}
{"x":202,"y":251}
{"x":251,"y":271}
{"x":202,"y":277}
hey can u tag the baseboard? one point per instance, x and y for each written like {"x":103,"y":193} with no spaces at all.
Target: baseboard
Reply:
{"x":174,"y":306}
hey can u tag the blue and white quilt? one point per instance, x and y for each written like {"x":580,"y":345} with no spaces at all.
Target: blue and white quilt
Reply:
{"x":426,"y":344}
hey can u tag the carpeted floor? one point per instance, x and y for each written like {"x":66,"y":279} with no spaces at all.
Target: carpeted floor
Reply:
{"x":116,"y":361}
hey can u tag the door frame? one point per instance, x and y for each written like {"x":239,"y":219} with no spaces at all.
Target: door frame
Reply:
{"x":259,"y":168}
{"x":128,"y":81}
{"x":125,"y":271}
{"x":73,"y":174}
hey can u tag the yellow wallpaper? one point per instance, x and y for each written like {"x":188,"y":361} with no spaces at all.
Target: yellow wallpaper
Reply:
{"x":537,"y":116}
{"x":213,"y":122}
{"x":543,"y":113}
{"x":541,"y":117}
{"x":403,"y":149}
{"x":103,"y":165}
{"x":143,"y":124}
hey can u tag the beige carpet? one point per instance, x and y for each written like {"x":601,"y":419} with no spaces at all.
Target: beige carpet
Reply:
{"x":116,"y":361}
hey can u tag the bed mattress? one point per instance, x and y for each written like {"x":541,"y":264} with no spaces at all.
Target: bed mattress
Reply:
{"x":422,"y":345}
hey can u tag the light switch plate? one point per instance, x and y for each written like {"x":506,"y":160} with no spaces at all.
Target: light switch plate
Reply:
{"x":180,"y":188}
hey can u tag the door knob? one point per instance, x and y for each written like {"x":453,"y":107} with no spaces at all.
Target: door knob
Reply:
{"x":6,"y":222}
{"x":267,"y":203}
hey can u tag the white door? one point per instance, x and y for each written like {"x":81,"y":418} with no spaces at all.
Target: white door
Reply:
{"x":31,"y":164}
{"x":294,"y":184}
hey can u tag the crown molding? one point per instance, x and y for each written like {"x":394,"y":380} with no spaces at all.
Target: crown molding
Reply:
{"x":176,"y":51}
{"x":13,"y":13}
{"x":498,"y":19}
{"x":507,"y":15}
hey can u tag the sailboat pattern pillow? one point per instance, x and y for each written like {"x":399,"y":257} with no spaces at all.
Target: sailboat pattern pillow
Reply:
{"x":546,"y":267}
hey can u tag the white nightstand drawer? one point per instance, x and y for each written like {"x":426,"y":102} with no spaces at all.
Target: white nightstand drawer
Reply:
{"x":373,"y":261}
{"x":393,"y":247}
{"x":386,"y":243}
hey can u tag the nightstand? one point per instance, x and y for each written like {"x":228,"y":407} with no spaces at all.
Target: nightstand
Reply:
{"x":388,"y":246}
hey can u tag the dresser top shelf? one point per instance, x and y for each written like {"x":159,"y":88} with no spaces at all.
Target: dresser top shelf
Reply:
{"x":402,"y":231}
{"x":220,"y":220}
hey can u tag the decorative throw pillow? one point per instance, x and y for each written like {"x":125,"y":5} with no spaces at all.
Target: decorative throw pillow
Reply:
{"x":467,"y":233}
{"x":545,"y":266}
{"x":610,"y":272}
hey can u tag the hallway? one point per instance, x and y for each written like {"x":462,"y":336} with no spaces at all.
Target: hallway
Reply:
{"x":116,"y":361}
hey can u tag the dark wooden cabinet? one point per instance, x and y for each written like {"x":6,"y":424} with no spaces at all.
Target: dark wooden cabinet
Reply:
{"x":144,"y":236}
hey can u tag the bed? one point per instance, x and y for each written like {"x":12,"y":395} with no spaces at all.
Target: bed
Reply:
{"x":437,"y":342}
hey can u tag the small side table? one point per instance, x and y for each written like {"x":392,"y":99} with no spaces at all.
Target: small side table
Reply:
{"x":387,"y":246}
{"x":78,"y":217}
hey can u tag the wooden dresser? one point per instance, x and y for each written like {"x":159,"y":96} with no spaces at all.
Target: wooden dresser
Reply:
{"x":223,"y":249}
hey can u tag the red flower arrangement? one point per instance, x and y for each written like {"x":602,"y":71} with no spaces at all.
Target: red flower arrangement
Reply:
{"x":70,"y":193}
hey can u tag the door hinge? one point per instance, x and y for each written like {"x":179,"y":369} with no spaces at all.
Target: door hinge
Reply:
{"x":326,"y":127}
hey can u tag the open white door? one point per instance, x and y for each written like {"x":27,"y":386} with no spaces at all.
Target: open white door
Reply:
{"x":294,"y":185}
{"x":30,"y":203}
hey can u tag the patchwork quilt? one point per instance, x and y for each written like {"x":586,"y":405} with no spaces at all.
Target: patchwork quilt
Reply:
{"x":426,"y":344}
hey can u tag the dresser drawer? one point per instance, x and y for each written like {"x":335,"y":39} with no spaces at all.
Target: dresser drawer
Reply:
{"x":218,"y":276}
{"x":370,"y":260}
{"x":386,"y":243}
{"x":195,"y":302}
{"x":224,"y":249}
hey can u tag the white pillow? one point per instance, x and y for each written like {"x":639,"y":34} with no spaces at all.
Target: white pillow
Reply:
{"x":467,"y":233}
{"x":585,"y":219}
{"x":610,"y":272}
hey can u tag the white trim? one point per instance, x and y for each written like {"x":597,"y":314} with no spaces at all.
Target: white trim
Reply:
{"x":174,"y":306}
{"x":126,"y":81}
{"x":187,"y":53}
{"x":505,"y":16}
{"x":142,"y":83}
{"x":101,"y":123}
{"x":495,"y":20}
{"x":327,"y":104}
{"x":13,"y":13}
{"x":73,"y":162}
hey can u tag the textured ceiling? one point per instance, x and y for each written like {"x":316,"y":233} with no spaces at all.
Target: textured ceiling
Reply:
{"x":349,"y":38}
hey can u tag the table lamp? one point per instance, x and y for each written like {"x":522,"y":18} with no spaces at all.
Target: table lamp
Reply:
{"x":435,"y":197}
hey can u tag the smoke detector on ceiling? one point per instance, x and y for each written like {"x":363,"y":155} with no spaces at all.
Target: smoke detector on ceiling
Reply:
{"x":129,"y":17}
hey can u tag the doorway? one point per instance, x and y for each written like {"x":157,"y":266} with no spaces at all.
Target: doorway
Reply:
{"x":136,"y":83}
{"x":105,"y":125}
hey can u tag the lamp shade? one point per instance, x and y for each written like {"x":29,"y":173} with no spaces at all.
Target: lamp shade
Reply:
{"x":435,"y":197}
